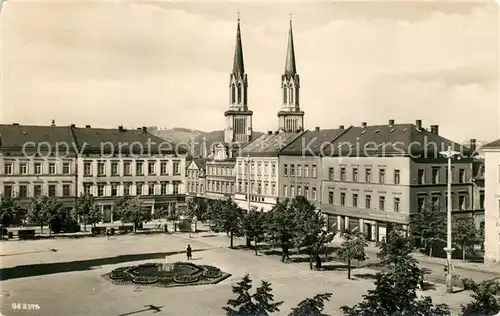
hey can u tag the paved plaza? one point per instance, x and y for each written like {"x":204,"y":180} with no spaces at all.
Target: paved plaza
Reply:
{"x":63,"y":276}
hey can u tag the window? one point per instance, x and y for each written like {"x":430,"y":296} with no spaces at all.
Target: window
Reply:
{"x":299,"y":170}
{"x":396,"y":204}
{"x":23,"y":191}
{"x":87,"y":168}
{"x":421,"y":176}
{"x":163,"y":188}
{"x":397,"y":179}
{"x":7,"y":190}
{"x":381,"y":176}
{"x":114,"y":189}
{"x":114,"y":168}
{"x":435,"y":201}
{"x":176,"y":188}
{"x":66,"y":190}
{"x":87,"y":188}
{"x":266,"y":188}
{"x":151,"y":167}
{"x":177,"y":169}
{"x":481,"y":200}
{"x":52,"y":190}
{"x":37,"y":190}
{"x":368,"y":201}
{"x":151,"y":189}
{"x":314,"y":171}
{"x":139,"y":168}
{"x":292,"y":191}
{"x":306,"y":171}
{"x":299,"y":189}
{"x":368,"y":175}
{"x":138,"y":190}
{"x":100,"y":189}
{"x":38,"y":168}
{"x":435,"y":175}
{"x":342,"y":174}
{"x":331,"y":173}
{"x":292,"y":170}
{"x":8,"y":167}
{"x":101,"y":169}
{"x":273,"y":189}
{"x":273,"y":169}
{"x":331,"y":197}
{"x":259,"y":168}
{"x":342,"y":199}
{"x":23,"y":168}
{"x":126,"y":189}
{"x":52,"y":168}
{"x":354,"y":200}
{"x":306,"y":191}
{"x":461,"y":202}
{"x":461,"y":175}
{"x":355,"y":174}
{"x":66,"y":168}
{"x":285,"y":170}
{"x":127,"y":168}
{"x":285,"y":190}
{"x":381,"y":203}
{"x":314,"y":195}
{"x":420,"y":204}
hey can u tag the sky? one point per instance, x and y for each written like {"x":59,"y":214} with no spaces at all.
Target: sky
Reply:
{"x":138,"y":63}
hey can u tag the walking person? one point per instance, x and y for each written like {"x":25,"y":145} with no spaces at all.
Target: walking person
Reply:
{"x":189,"y":252}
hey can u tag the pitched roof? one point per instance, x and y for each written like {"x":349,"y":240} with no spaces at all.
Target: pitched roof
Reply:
{"x":390,"y":140}
{"x":238,"y":65}
{"x":201,"y":163}
{"x":14,"y":137}
{"x":310,"y":142}
{"x":122,"y":141}
{"x":493,"y":145}
{"x":269,"y":144}
{"x":290,"y":67}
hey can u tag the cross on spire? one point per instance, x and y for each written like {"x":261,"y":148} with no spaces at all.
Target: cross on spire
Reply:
{"x":238,"y":14}
{"x":290,"y":16}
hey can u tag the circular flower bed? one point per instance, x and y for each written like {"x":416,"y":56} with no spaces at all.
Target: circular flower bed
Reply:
{"x":145,"y":280}
{"x":118,"y":275}
{"x":185,"y":279}
{"x":212,"y":273}
{"x":120,"y":269}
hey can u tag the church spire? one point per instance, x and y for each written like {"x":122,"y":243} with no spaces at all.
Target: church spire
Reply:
{"x":290,"y":67}
{"x":238,"y":65}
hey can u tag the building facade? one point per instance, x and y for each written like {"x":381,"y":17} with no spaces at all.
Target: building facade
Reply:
{"x":492,"y":202}
{"x":196,"y":178}
{"x":220,"y":177}
{"x":374,"y":178}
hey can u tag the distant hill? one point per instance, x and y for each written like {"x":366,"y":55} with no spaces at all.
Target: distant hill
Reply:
{"x":176,"y":134}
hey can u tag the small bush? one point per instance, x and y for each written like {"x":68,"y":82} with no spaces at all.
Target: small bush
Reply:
{"x":145,"y":280}
{"x":185,"y":279}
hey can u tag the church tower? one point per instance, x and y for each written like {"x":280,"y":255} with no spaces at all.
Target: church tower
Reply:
{"x":238,"y":117}
{"x":291,"y":118}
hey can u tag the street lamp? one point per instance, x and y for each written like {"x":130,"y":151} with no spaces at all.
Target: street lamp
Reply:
{"x":248,"y":161}
{"x":449,"y":154}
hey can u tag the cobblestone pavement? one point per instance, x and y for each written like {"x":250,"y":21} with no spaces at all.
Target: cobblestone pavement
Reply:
{"x":63,"y":276}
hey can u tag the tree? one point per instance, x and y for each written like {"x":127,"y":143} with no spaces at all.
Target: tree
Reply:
{"x":429,"y":225}
{"x":133,"y":211}
{"x":311,"y":306}
{"x":94,"y":215}
{"x":352,"y":248}
{"x":281,"y":225}
{"x":253,"y":226}
{"x":484,"y":297}
{"x":259,"y":304}
{"x":11,"y":212}
{"x":229,"y":219}
{"x":465,"y":234}
{"x":83,"y":207}
{"x":395,"y":290}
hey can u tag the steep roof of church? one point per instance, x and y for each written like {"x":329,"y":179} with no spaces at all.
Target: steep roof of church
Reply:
{"x":290,"y":67}
{"x":238,"y":65}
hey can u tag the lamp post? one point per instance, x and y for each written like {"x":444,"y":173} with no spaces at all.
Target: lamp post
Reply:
{"x":449,"y":154}
{"x":249,"y":161}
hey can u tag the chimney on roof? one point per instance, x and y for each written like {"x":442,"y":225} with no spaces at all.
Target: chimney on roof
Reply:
{"x":144,"y":129}
{"x":341,"y":127}
{"x":316,"y":128}
{"x":73,"y":125}
{"x":276,"y":132}
{"x":120,"y":128}
{"x":269,"y":132}
{"x":418,"y":124}
{"x":435,"y":129}
{"x":363,"y":124}
{"x":391,"y":123}
{"x":15,"y":124}
{"x":87,"y":126}
{"x":472,"y":144}
{"x":53,"y":123}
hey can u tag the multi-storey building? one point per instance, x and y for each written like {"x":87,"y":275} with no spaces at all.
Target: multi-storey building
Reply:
{"x":375,"y":177}
{"x":37,"y":161}
{"x":113,"y":163}
{"x":257,"y":170}
{"x":300,"y":164}
{"x":196,"y":178}
{"x":492,"y":202}
{"x":478,"y":169}
{"x":220,"y":177}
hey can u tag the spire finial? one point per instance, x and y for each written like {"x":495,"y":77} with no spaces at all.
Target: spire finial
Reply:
{"x":290,"y":16}
{"x":238,"y":15}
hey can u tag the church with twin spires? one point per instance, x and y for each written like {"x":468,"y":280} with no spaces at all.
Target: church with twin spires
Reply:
{"x":239,"y":127}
